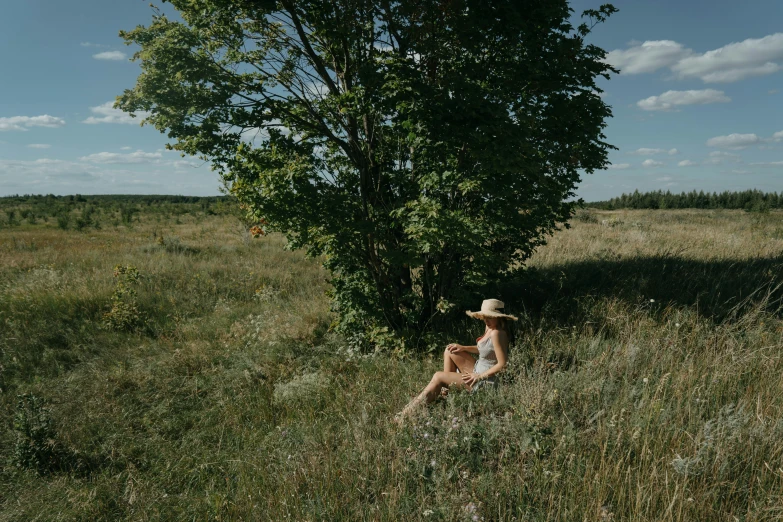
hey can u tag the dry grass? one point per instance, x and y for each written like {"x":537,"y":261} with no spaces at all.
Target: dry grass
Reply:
{"x":232,"y":403}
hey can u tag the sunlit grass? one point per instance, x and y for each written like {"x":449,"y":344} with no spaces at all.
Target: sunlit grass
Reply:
{"x":645,"y":385}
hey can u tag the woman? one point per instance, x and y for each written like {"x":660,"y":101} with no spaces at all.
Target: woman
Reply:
{"x":460,"y":368}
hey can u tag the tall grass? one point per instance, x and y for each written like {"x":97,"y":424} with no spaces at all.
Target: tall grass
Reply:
{"x":643,"y":385}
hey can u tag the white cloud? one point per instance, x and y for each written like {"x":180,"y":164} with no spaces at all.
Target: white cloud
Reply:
{"x":23,"y":123}
{"x":740,"y":171}
{"x":652,"y":163}
{"x":673,"y":152}
{"x":773,"y":91}
{"x":778,"y":136}
{"x":669,"y":100}
{"x":733,"y":141}
{"x":718,"y":157}
{"x":647,"y":57}
{"x":664,"y":178}
{"x":57,"y":176}
{"x":185,"y":164}
{"x":47,"y":161}
{"x":38,"y":146}
{"x":90,"y":44}
{"x":687,"y":163}
{"x":735,"y":61}
{"x":619,"y":166}
{"x":41,"y":170}
{"x":125,"y":148}
{"x":730,"y":63}
{"x":649,"y":152}
{"x":108,"y":114}
{"x":114,"y":157}
{"x":110,"y":55}
{"x":769,"y":164}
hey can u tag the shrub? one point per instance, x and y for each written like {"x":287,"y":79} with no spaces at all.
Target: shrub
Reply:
{"x":63,"y":220}
{"x":586,"y":216}
{"x":36,"y":445}
{"x":124,"y":313}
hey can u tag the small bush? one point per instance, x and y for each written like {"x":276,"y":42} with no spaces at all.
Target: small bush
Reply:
{"x":586,"y":216}
{"x":124,"y":313}
{"x":36,"y":447}
{"x":11,"y":218}
{"x":63,"y":221}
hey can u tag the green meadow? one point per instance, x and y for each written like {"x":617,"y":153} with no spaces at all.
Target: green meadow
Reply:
{"x":201,"y":381}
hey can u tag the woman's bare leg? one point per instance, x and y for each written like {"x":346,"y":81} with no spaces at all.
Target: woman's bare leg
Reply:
{"x":431,"y":391}
{"x":461,"y":361}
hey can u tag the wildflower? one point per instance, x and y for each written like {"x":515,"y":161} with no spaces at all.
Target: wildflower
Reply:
{"x":676,"y":325}
{"x":432,"y":463}
{"x":427,"y":512}
{"x":470,"y":508}
{"x":652,"y":300}
{"x":426,"y":435}
{"x":645,"y":380}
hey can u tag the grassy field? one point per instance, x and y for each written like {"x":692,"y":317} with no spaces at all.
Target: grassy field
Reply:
{"x":644,"y":383}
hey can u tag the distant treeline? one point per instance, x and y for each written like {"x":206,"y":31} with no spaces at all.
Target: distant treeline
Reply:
{"x":108,"y":199}
{"x":750,"y":200}
{"x":80,"y":212}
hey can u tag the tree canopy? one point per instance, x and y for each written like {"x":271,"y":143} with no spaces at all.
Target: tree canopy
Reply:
{"x":423,"y":147}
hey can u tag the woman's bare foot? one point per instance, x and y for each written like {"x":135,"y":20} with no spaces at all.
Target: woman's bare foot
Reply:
{"x":408,"y":410}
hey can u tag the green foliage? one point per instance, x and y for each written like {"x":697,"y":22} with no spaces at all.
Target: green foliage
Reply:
{"x":36,"y":447}
{"x":749,"y":200}
{"x":422,"y":149}
{"x":83,"y":212}
{"x":127,"y":213}
{"x":63,"y":221}
{"x":11,"y":218}
{"x":124,"y":313}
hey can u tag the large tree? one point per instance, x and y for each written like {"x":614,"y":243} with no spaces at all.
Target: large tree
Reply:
{"x":423,"y":147}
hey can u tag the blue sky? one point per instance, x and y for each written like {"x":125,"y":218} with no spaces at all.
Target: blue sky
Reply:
{"x":698,"y":104}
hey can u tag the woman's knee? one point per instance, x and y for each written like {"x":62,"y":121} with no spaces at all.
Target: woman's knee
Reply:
{"x":437,"y":377}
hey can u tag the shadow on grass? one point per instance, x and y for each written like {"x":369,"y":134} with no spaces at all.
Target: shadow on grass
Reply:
{"x":718,"y":290}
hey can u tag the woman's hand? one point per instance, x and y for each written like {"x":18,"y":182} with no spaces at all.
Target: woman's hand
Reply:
{"x":454,"y":348}
{"x":471,"y":378}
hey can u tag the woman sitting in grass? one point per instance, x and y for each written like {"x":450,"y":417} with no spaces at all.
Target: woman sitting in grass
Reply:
{"x":459,"y":366}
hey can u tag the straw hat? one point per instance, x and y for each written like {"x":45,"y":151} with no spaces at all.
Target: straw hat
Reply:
{"x":489,"y":308}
